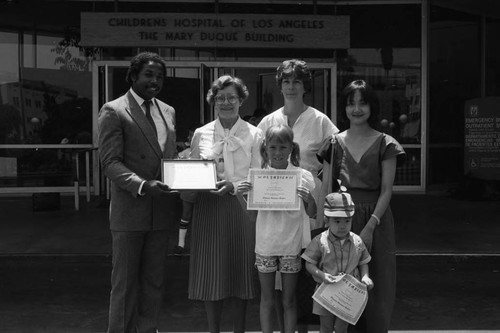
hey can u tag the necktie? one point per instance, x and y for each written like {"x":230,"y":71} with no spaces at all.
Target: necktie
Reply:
{"x":149,"y":117}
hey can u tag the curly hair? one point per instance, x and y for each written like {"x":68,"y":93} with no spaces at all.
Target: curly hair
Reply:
{"x":137,"y":62}
{"x":294,"y":69}
{"x":224,"y":82}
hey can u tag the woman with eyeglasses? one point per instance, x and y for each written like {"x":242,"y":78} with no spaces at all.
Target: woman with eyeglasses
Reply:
{"x":223,"y":237}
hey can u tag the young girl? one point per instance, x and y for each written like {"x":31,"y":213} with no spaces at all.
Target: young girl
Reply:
{"x":280,"y":234}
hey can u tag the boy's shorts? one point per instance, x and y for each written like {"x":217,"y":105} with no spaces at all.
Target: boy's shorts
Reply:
{"x":283,"y":264}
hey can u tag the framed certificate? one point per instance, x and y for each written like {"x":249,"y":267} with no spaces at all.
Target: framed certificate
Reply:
{"x":274,"y":189}
{"x":189,"y":174}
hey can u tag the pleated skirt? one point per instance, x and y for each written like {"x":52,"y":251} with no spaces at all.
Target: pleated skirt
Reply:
{"x":222,"y":250}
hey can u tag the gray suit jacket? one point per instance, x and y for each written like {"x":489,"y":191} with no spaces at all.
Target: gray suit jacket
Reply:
{"x":130,"y":154}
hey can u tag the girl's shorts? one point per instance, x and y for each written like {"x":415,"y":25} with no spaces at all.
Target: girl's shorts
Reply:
{"x":283,"y":264}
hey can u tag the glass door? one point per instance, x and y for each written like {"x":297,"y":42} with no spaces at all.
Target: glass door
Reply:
{"x":265,"y":96}
{"x":186,"y":86}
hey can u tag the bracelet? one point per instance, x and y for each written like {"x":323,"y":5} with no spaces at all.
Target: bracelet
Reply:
{"x":376,"y":218}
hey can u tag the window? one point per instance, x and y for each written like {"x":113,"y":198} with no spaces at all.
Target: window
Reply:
{"x":455,"y":76}
{"x":46,"y":97}
{"x":386,"y":52}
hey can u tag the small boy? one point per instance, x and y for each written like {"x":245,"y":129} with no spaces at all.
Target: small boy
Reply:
{"x":336,"y":251}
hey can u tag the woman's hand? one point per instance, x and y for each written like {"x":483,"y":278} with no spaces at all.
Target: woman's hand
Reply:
{"x":367,"y":233}
{"x":223,"y":187}
{"x":367,"y":238}
{"x":244,"y":187}
{"x":388,"y":172}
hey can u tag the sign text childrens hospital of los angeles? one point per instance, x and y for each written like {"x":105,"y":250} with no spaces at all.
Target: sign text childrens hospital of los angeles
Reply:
{"x":214,"y":30}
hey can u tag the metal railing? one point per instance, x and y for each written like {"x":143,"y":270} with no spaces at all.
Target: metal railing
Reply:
{"x":78,"y":173}
{"x":86,"y":153}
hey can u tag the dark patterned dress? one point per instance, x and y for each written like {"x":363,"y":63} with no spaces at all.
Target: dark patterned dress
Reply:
{"x":363,"y":181}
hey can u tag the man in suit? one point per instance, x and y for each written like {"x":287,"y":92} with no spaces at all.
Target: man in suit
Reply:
{"x":133,"y":138}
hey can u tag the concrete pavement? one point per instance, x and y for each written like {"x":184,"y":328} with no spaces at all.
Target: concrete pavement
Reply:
{"x":70,"y":294}
{"x":55,"y":268}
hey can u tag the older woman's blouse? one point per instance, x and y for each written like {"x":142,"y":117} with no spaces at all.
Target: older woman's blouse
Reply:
{"x":234,"y":150}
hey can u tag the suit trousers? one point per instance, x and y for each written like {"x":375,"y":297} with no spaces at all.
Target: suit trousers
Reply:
{"x":137,"y":280}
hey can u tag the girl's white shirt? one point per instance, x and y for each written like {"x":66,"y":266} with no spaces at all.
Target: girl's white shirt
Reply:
{"x":280,"y":233}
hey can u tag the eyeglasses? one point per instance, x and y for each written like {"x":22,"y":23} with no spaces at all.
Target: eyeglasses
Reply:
{"x":220,"y":99}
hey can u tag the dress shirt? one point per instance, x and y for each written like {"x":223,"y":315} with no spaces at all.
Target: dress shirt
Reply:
{"x":161,"y":130}
{"x":332,"y":256}
{"x":155,"y":113}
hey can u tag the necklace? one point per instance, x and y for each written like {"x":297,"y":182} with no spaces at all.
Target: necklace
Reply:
{"x":340,"y":268}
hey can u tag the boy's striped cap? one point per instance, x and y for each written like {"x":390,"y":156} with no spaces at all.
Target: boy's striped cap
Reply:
{"x":339,"y":204}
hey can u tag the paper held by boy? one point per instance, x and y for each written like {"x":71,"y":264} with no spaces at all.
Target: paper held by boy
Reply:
{"x":346,"y":298}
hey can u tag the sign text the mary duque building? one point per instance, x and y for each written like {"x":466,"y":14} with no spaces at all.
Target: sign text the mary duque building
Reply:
{"x":214,"y":30}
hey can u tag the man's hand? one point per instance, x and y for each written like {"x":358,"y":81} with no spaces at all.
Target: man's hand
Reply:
{"x":156,"y":188}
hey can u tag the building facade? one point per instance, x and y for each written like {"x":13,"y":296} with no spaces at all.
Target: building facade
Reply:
{"x":426,"y":59}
